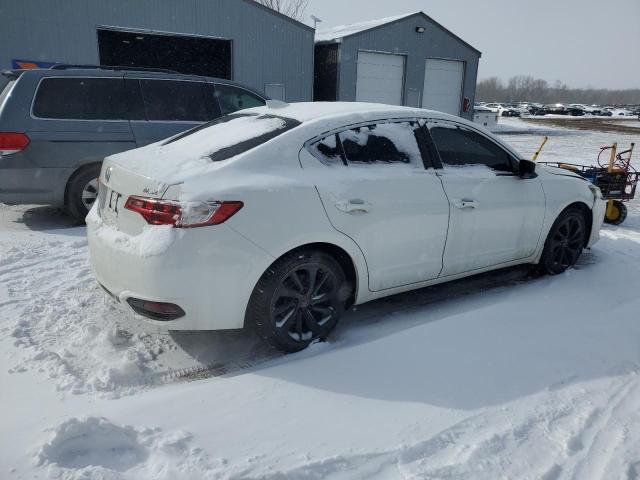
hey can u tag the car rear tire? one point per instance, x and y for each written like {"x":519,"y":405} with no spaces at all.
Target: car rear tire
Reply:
{"x":82,"y":192}
{"x":617,"y":214}
{"x":298,"y":300}
{"x":565,"y":242}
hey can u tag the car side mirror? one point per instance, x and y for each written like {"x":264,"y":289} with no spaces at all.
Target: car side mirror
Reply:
{"x":527,"y":169}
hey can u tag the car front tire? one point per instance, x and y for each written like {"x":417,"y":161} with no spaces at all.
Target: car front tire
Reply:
{"x":298,"y":300}
{"x":565,"y":242}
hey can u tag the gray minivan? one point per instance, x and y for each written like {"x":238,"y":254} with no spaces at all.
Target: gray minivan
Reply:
{"x":58,"y":124}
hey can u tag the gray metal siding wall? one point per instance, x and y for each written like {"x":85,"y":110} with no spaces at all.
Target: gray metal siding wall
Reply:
{"x":401,"y":38}
{"x":266,"y":47}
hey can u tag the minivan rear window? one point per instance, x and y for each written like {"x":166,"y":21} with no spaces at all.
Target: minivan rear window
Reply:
{"x":272,"y":127}
{"x":81,"y":99}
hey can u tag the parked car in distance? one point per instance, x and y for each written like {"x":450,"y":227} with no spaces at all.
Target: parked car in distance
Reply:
{"x":57,"y":125}
{"x":279,"y":218}
{"x":510,"y":112}
{"x":574,"y":111}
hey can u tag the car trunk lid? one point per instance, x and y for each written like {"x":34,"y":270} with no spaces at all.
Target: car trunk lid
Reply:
{"x":117,"y":184}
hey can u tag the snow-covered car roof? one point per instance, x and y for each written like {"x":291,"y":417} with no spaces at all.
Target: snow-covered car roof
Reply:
{"x":312,"y":111}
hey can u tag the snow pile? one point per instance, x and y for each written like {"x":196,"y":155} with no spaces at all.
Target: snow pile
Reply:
{"x":93,"y":447}
{"x":154,"y":240}
{"x":63,"y":327}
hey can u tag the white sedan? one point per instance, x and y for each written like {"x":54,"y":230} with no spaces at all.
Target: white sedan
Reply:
{"x":280,"y":217}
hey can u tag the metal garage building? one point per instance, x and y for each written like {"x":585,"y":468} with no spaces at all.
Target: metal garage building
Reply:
{"x":233,"y":39}
{"x":404,"y":60}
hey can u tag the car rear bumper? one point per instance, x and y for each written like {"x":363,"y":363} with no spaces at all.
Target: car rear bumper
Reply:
{"x":208,"y":272}
{"x":24,"y":183}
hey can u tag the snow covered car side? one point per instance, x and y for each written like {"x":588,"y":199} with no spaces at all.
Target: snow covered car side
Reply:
{"x":279,"y":217}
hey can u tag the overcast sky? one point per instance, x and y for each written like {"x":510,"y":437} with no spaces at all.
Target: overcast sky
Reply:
{"x":580,"y":42}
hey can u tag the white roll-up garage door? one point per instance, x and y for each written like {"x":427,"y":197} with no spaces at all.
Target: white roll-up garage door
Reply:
{"x":443,"y":85}
{"x":380,"y":78}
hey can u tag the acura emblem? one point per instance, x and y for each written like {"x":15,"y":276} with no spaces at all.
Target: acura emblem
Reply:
{"x":107,"y":174}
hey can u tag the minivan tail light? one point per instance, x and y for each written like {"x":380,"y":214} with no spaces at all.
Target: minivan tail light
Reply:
{"x":182,"y":215}
{"x":13,"y":142}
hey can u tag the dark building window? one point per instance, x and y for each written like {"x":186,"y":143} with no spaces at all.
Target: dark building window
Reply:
{"x":325,"y":88}
{"x":81,"y":99}
{"x":184,"y":54}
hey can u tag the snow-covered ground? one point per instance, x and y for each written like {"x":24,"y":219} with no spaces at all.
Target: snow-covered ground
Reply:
{"x":505,"y":375}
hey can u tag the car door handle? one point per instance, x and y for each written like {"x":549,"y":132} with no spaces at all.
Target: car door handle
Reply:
{"x":355,"y":205}
{"x":465,"y":203}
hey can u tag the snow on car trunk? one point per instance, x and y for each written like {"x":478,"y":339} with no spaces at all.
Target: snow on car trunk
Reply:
{"x":150,"y":171}
{"x":202,"y":148}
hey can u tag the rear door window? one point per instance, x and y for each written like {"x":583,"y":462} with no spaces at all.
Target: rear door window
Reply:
{"x":81,"y":99}
{"x":328,"y":150}
{"x":232,"y":99}
{"x":459,"y":146}
{"x":383,"y":143}
{"x":176,"y":101}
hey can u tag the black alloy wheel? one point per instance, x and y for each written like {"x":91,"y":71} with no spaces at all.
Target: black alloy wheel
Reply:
{"x":565,"y":242}
{"x":298,"y":300}
{"x":305,"y":302}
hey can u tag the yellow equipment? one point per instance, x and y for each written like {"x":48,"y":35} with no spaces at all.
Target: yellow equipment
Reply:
{"x":612,"y":212}
{"x":537,"y":154}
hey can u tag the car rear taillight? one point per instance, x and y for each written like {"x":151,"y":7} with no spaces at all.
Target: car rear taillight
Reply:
{"x":13,"y":143}
{"x":182,"y":215}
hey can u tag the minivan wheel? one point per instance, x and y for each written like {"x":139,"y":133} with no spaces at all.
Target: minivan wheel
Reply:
{"x":298,"y":300}
{"x":565,"y":242}
{"x":82,"y":192}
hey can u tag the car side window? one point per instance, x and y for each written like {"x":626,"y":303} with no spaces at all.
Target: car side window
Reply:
{"x":383,"y":143}
{"x":75,"y":98}
{"x":173,"y":100}
{"x":459,"y":146}
{"x":327,"y":150}
{"x":232,"y":99}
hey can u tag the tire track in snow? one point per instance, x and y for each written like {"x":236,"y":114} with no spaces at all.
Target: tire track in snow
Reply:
{"x":606,"y":432}
{"x":63,"y":324}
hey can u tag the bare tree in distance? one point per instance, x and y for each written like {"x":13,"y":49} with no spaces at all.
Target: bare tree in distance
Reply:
{"x":291,"y":8}
{"x":528,"y":89}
